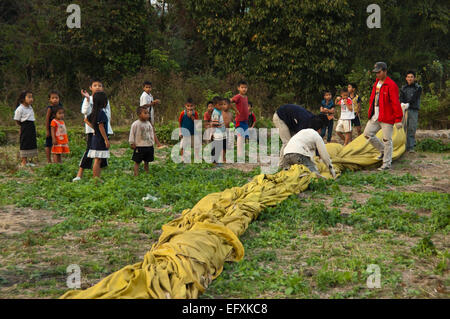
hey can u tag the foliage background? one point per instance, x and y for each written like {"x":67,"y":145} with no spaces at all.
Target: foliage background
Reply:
{"x":288,"y":50}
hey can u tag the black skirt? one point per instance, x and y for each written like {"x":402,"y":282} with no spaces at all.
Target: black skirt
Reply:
{"x":28,"y":143}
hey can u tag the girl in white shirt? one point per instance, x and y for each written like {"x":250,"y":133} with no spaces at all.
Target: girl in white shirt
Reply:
{"x":24,"y":117}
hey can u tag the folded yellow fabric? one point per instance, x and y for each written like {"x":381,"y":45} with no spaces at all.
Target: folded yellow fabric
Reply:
{"x":192,"y":249}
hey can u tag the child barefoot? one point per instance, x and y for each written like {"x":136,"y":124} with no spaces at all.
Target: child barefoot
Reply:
{"x":207,"y":120}
{"x":59,"y":136}
{"x":344,"y":125}
{"x":54,"y":102}
{"x":24,"y":117}
{"x":220,"y":135}
{"x":142,"y":140}
{"x":147,"y":100}
{"x":186,"y":127}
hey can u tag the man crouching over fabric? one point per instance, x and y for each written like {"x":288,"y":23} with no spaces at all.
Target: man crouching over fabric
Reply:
{"x":302,"y":148}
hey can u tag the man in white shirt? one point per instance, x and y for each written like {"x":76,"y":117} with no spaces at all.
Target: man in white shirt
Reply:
{"x":147,"y":101}
{"x":302,"y":148}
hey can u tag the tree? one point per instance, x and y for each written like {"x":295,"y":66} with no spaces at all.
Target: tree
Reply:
{"x":289,"y":44}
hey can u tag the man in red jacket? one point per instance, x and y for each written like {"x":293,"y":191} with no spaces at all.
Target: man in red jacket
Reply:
{"x":384,"y":112}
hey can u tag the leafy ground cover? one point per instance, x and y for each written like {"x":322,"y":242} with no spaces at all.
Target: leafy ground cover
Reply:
{"x":317,"y":244}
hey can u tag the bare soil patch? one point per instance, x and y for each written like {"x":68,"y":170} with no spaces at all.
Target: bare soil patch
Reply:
{"x":14,"y":220}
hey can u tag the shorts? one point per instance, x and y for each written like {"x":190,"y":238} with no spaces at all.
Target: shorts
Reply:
{"x":344,"y":126}
{"x":356,"y":121}
{"x":242,"y":128}
{"x":145,"y":154}
{"x":48,"y":142}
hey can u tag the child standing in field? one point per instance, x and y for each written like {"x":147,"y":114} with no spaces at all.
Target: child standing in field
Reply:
{"x":60,"y":139}
{"x":147,"y":101}
{"x":241,"y":109}
{"x":86,"y":109}
{"x":327,"y":108}
{"x":344,"y":125}
{"x":186,"y":127}
{"x":220,"y":137}
{"x":98,"y":121}
{"x":207,"y":120}
{"x":54,"y":103}
{"x":141,"y":140}
{"x":24,"y":117}
{"x":356,"y":107}
{"x":227,"y":115}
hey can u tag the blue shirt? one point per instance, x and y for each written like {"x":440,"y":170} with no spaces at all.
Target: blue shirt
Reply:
{"x":329,"y":106}
{"x":187,"y":123}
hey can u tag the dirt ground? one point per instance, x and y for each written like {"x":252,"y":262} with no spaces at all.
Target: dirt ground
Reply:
{"x":15,"y":220}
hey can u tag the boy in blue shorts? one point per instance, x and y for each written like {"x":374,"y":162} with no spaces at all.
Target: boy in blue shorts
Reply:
{"x":241,"y":109}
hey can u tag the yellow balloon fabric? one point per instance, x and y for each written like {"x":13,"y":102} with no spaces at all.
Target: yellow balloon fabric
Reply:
{"x":192,"y":249}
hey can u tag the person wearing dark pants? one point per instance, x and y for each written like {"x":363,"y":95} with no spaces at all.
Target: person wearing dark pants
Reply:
{"x":410,"y":94}
{"x":327,"y":108}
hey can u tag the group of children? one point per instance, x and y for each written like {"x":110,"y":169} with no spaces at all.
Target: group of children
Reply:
{"x":56,"y":142}
{"x":97,"y":118}
{"x":216,"y":120}
{"x":350,"y":106}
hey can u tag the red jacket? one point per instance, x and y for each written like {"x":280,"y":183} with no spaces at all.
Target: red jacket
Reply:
{"x":390,"y":109}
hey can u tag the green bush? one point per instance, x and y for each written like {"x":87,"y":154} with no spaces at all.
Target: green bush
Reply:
{"x":3,"y":138}
{"x":164,"y":132}
{"x":425,"y":247}
{"x":434,"y":146}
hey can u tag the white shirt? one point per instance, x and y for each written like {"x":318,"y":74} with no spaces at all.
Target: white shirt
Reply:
{"x":306,"y":142}
{"x":219,"y":131}
{"x":148,"y":99}
{"x":141,"y":134}
{"x":86,"y":109}
{"x":346,"y":114}
{"x":377,"y":102}
{"x":24,"y":113}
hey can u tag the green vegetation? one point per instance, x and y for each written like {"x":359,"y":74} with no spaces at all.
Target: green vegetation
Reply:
{"x":431,"y":145}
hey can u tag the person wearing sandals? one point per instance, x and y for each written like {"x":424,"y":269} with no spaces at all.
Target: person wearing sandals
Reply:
{"x":24,"y":117}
